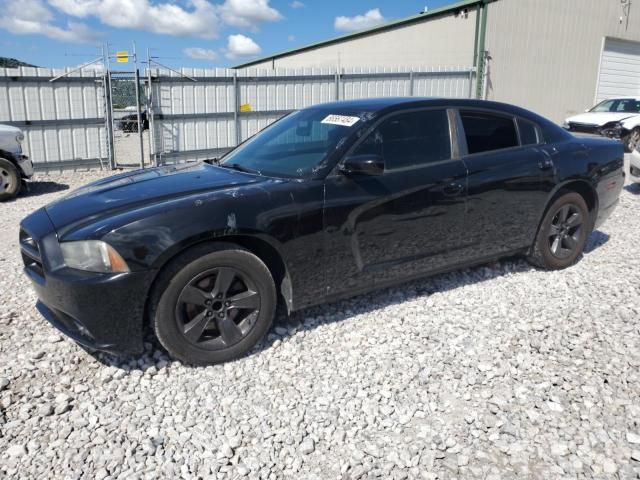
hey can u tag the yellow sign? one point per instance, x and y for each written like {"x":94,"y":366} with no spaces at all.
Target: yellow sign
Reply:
{"x":122,"y":56}
{"x":245,"y":107}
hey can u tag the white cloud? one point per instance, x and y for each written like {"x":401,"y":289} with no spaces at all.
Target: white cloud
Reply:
{"x":291,"y":38}
{"x":248,"y":13}
{"x":200,"y":53}
{"x":199,"y":19}
{"x":349,"y":24}
{"x":241,"y":46}
{"x":296,"y":4}
{"x":32,"y":17}
{"x":192,"y":18}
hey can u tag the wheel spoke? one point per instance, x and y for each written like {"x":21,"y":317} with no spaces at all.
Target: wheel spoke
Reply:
{"x":575,"y":220}
{"x":248,"y":299}
{"x":563,"y":213}
{"x":194,"y":296}
{"x":224,"y":278}
{"x":554,"y":230}
{"x":229,"y":331}
{"x":193,"y":330}
{"x":570,"y":242}
{"x":555,"y":246}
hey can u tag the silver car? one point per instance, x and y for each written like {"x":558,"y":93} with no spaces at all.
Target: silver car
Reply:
{"x":14,"y":166}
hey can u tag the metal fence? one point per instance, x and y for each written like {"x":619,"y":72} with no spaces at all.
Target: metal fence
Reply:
{"x":198,"y":114}
{"x":192,"y":114}
{"x":63,"y":120}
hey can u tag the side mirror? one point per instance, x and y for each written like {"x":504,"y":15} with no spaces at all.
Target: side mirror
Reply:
{"x":363,"y":165}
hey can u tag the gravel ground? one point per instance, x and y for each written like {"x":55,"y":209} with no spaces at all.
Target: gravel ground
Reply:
{"x":498,"y":372}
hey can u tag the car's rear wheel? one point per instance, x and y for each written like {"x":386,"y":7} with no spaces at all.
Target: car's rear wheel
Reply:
{"x":562,"y":234}
{"x":213,"y":304}
{"x":10,"y":181}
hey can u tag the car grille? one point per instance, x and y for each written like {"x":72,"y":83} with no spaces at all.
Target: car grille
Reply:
{"x":30,"y":253}
{"x":583,"y":127}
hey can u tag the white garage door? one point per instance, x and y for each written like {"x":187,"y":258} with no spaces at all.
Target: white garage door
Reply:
{"x":619,"y":70}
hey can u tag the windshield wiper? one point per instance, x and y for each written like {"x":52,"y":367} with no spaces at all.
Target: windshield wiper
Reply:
{"x":240,"y":168}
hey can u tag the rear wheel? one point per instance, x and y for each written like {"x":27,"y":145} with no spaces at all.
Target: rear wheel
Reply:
{"x":10,"y":181}
{"x":213,"y":304}
{"x":562,"y":234}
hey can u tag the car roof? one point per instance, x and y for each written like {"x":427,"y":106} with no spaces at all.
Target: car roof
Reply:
{"x":620,"y":98}
{"x":393,"y":103}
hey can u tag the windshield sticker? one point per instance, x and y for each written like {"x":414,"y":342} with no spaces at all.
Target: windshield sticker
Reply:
{"x":343,"y":120}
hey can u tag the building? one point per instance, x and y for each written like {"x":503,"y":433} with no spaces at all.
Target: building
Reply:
{"x":556,"y":57}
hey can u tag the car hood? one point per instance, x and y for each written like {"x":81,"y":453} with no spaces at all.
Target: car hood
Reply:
{"x":9,"y":129}
{"x":599,"y":118}
{"x":143,"y":188}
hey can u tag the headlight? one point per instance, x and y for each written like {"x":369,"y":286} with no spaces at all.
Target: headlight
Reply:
{"x":93,"y":256}
{"x":20,"y":137}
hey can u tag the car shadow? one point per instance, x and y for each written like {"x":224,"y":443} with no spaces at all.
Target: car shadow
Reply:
{"x":308,"y":319}
{"x":633,"y":188}
{"x":595,"y":241}
{"x":35,"y":188}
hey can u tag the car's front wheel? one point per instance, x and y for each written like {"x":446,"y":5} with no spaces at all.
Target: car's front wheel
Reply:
{"x":562,"y":234}
{"x":213,"y":304}
{"x":633,"y":140}
{"x":10,"y":181}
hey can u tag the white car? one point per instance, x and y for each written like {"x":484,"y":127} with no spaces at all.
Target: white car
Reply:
{"x":635,"y":164}
{"x":14,"y":166}
{"x":615,"y":118}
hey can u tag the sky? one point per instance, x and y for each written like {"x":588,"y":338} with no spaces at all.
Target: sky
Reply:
{"x":183,"y":33}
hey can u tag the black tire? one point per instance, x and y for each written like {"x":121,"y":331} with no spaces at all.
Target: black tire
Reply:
{"x":10,"y":180}
{"x":197,"y":270}
{"x":633,"y":140}
{"x":560,"y":241}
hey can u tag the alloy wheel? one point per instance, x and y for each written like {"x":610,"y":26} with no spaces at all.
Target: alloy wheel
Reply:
{"x":565,"y":231}
{"x":217,"y":308}
{"x":6,"y":182}
{"x":634,"y":140}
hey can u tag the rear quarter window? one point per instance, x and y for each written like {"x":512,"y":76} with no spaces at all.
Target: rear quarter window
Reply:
{"x":529,"y":132}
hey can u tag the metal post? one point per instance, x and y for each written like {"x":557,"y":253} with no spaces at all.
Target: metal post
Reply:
{"x":152,"y":154}
{"x":106,"y":102}
{"x":236,"y":109}
{"x":337,"y":85}
{"x":112,"y":159}
{"x":411,"y":83}
{"x":471,"y":82}
{"x":138,"y":112}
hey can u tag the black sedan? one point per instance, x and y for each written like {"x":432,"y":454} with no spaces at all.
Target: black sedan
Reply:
{"x":327,"y":202}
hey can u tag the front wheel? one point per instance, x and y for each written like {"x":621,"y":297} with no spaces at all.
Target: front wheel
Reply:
{"x":10,"y":181}
{"x":562,"y":234}
{"x":633,"y":140}
{"x":215,"y":303}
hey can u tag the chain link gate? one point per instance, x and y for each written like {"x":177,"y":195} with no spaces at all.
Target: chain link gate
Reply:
{"x":129,"y":124}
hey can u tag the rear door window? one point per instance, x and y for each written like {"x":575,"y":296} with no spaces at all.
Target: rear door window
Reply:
{"x":486,"y":132}
{"x":410,"y":139}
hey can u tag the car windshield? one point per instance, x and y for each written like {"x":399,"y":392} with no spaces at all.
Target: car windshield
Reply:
{"x":294,"y":146}
{"x":622,"y":105}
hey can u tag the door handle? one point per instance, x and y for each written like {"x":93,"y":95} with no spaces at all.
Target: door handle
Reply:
{"x":545,"y":163}
{"x":453,"y":189}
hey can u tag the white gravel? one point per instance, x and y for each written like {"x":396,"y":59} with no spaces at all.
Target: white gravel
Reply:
{"x":498,"y":372}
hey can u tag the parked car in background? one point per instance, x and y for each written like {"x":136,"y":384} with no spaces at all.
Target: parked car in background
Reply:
{"x":617,"y":118}
{"x":634,"y":165}
{"x":129,"y":123}
{"x":14,"y":166}
{"x":327,"y":202}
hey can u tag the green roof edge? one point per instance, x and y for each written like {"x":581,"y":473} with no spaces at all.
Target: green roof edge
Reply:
{"x":360,"y":33}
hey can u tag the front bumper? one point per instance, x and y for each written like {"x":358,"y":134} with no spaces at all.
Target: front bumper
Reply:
{"x":634,"y":165}
{"x":99,"y":311}
{"x":26,"y":165}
